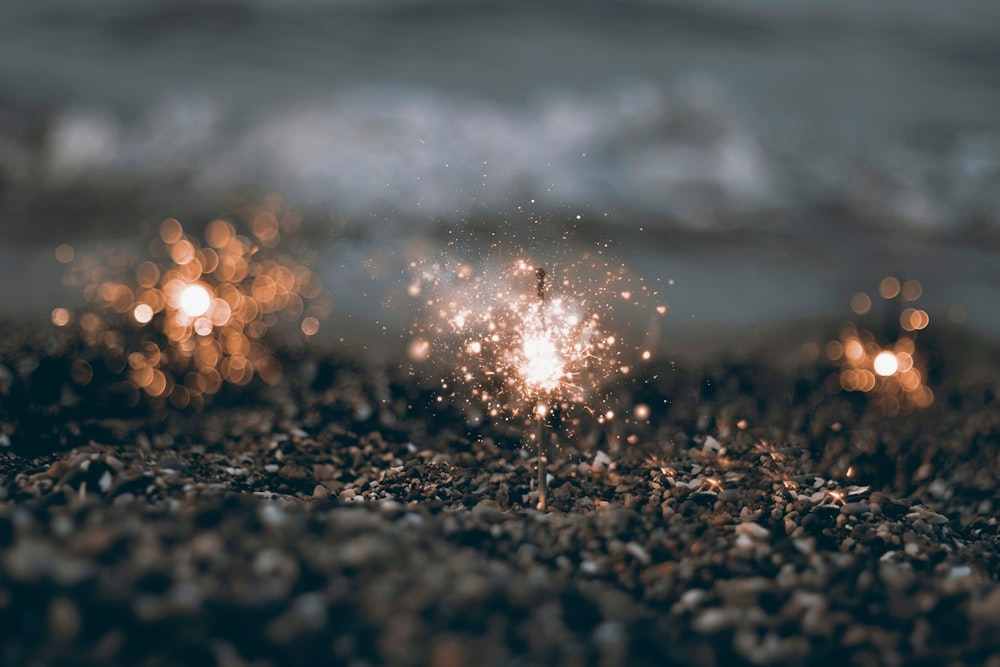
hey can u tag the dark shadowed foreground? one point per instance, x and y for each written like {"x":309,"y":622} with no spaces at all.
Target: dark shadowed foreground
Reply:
{"x":344,"y":517}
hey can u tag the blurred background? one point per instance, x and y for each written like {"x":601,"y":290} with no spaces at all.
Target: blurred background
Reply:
{"x":772,"y":159}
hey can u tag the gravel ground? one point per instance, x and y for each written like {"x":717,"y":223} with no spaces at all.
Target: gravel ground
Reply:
{"x":345,"y":517}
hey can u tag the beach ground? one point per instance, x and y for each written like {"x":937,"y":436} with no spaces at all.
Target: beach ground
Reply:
{"x":345,"y":516}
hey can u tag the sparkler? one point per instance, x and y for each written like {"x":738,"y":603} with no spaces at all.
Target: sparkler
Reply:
{"x":527,"y":350}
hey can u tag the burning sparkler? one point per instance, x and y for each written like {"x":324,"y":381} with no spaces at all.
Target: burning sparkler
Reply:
{"x":193,"y":315}
{"x":525,"y":353}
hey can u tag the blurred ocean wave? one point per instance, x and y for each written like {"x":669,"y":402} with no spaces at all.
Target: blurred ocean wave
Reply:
{"x":821,"y":143}
{"x":680,"y":111}
{"x":686,"y":157}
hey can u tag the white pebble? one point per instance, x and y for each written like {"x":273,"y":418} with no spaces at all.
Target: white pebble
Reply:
{"x":272,"y":516}
{"x":105,"y":482}
{"x":754,"y":530}
{"x":601,"y":460}
{"x":639,"y":553}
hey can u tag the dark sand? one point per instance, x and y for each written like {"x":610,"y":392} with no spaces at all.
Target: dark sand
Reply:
{"x":345,"y":518}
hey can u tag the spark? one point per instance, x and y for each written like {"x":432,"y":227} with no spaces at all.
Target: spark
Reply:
{"x":656,"y":463}
{"x":836,"y":497}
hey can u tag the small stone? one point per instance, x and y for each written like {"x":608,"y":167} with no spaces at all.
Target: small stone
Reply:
{"x":753,"y":530}
{"x":639,"y":553}
{"x":692,"y":598}
{"x":716,"y":619}
{"x":601,"y":460}
{"x":64,"y":620}
{"x":729,"y":495}
{"x":170,"y":462}
{"x":272,"y":516}
{"x":852,"y":509}
{"x":921,"y":512}
{"x":104,"y":484}
{"x":805,"y":545}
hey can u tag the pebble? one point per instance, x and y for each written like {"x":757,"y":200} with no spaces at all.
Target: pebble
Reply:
{"x":170,"y":462}
{"x":852,"y":509}
{"x":753,"y":530}
{"x":272,"y":516}
{"x":64,"y":620}
{"x":920,"y":512}
{"x":639,"y":553}
{"x":716,"y":619}
{"x":601,"y":460}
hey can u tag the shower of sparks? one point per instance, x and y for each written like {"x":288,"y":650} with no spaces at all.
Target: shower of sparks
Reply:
{"x":515,"y":349}
{"x":192,"y":316}
{"x":892,"y":373}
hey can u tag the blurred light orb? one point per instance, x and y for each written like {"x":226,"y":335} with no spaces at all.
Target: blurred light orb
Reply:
{"x":195,"y":300}
{"x":60,"y":317}
{"x":885,"y":363}
{"x":143,"y":313}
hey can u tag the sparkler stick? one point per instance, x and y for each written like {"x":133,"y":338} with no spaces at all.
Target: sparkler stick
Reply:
{"x":541,"y":411}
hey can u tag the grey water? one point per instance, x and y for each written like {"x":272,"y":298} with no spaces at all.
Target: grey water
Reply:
{"x":771,"y":158}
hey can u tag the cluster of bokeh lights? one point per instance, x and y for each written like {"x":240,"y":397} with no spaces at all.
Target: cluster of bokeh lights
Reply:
{"x":891,"y":372}
{"x":201,"y":306}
